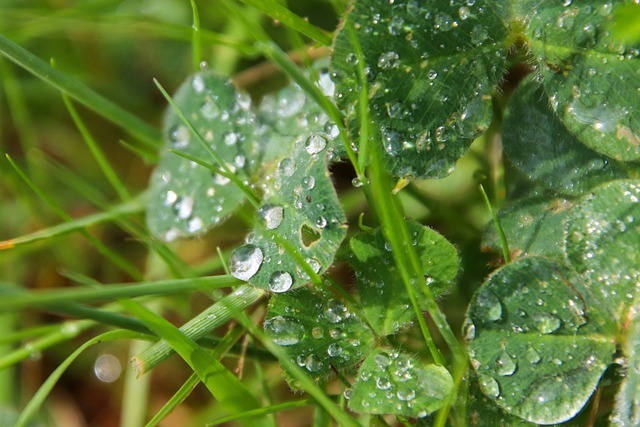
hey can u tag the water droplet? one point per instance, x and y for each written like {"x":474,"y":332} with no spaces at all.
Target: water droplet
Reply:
{"x":271,"y":215}
{"x":383,"y":383}
{"x":245,"y":261}
{"x":209,"y":110}
{"x":170,"y":198}
{"x":506,"y":365}
{"x":478,"y":35}
{"x":348,"y":393}
{"x":464,"y":12}
{"x":389,"y":60}
{"x":321,"y":222}
{"x":314,"y":264}
{"x":107,"y":368}
{"x":334,"y":350}
{"x":290,"y":102}
{"x":546,"y":323}
{"x":381,"y":360}
{"x":195,"y":224}
{"x":469,"y":331}
{"x":532,"y":355}
{"x":335,"y":311}
{"x":284,"y":330}
{"x":432,"y":74}
{"x":315,"y":144}
{"x":179,"y":136}
{"x":444,"y":22}
{"x":184,"y":207}
{"x":280,"y":281}
{"x":230,"y":138}
{"x":317,"y":332}
{"x":489,"y":305}
{"x":287,"y":167}
{"x":406,"y":394}
{"x":489,"y":386}
{"x":313,"y":363}
{"x":243,"y":100}
{"x":308,"y":182}
{"x":197,"y":83}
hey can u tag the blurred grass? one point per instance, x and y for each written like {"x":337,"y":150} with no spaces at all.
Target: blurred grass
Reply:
{"x":116,"y":48}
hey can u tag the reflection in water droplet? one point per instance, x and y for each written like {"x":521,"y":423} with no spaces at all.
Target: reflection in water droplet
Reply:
{"x":546,"y":323}
{"x":489,"y":386}
{"x":315,"y":144}
{"x":287,"y":167}
{"x":506,"y":365}
{"x":335,"y":311}
{"x":284,"y":330}
{"x":271,"y":215}
{"x":245,"y":262}
{"x":406,"y":394}
{"x":334,"y":350}
{"x":280,"y":281}
{"x":184,"y":207}
{"x":532,"y":355}
{"x":309,"y":182}
{"x":179,"y":136}
{"x":489,"y":305}
{"x":313,"y":363}
{"x":107,"y":368}
{"x":383,"y":383}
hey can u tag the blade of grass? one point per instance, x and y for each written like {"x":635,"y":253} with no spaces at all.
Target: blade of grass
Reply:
{"x":31,"y":409}
{"x":62,"y":333}
{"x":273,"y":409}
{"x":232,"y":394}
{"x":504,"y":244}
{"x":284,"y":15}
{"x":135,"y":394}
{"x":211,"y":318}
{"x":196,"y":42}
{"x":133,"y":206}
{"x":98,"y":154}
{"x":111,"y":292}
{"x":106,"y":108}
{"x":114,"y":257}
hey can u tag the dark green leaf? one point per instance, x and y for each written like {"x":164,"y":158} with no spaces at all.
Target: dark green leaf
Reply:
{"x":429,"y":82}
{"x":603,"y":243}
{"x":539,"y":144}
{"x":383,"y":295}
{"x":186,"y":198}
{"x":390,"y":382}
{"x":533,"y":226}
{"x":317,"y":331}
{"x":301,"y":221}
{"x":591,"y":78}
{"x":535,"y":341}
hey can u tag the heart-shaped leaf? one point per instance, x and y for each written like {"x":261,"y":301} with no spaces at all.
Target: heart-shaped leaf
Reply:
{"x":390,"y":382}
{"x":300,"y":222}
{"x":383,"y":295}
{"x":535,"y":340}
{"x":186,"y":198}
{"x":317,"y":331}
{"x":429,"y":83}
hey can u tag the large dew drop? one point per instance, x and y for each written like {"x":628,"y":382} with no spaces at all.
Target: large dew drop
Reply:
{"x":489,"y":305}
{"x":315,"y":144}
{"x":546,"y":323}
{"x":271,"y":215}
{"x":245,"y":262}
{"x":284,"y":330}
{"x":280,"y":281}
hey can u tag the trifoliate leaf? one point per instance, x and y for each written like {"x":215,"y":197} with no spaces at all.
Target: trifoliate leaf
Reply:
{"x":539,"y":144}
{"x":186,"y":198}
{"x":590,"y":77}
{"x":390,"y":382}
{"x":300,"y":222}
{"x":603,"y":243}
{"x":383,"y":295}
{"x":537,"y":340}
{"x":317,"y":331}
{"x":429,"y":82}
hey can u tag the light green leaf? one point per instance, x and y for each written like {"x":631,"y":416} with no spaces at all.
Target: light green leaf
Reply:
{"x":533,"y":226}
{"x":291,"y":113}
{"x":591,"y":78}
{"x":383,"y":295}
{"x":535,"y":340}
{"x":390,"y":382}
{"x":187,"y":198}
{"x":627,"y":409}
{"x":603,"y":243}
{"x":317,"y":331}
{"x":300,"y":222}
{"x":539,"y":144}
{"x":429,"y":82}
